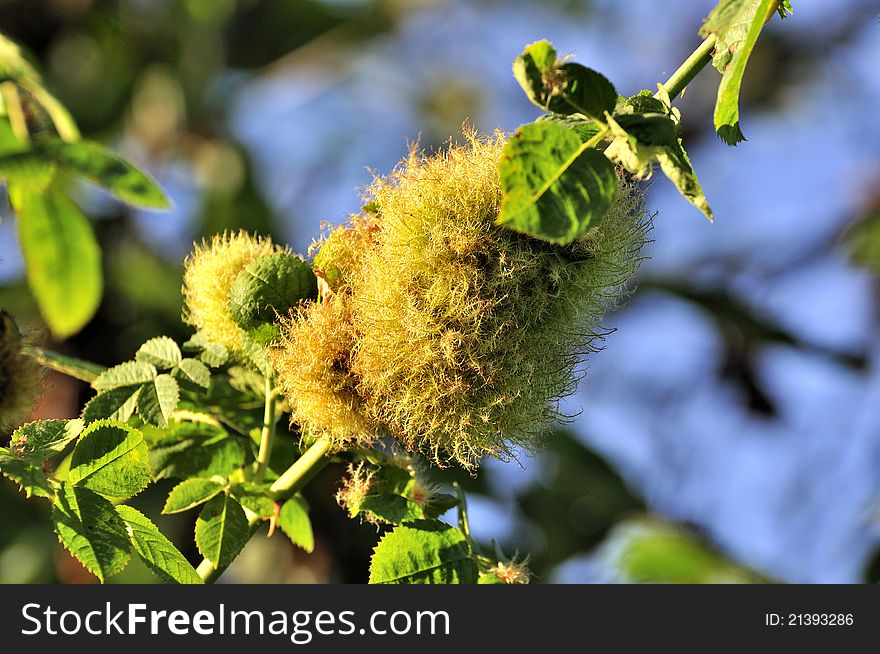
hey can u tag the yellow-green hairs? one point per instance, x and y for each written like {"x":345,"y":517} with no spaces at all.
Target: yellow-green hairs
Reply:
{"x":313,"y":363}
{"x":210,"y":270}
{"x":21,"y":377}
{"x":461,"y":336}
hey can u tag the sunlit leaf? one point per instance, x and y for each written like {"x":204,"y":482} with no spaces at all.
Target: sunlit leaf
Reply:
{"x":62,"y":258}
{"x":423,"y":552}
{"x":89,"y":527}
{"x":554,"y":187}
{"x":155,"y":550}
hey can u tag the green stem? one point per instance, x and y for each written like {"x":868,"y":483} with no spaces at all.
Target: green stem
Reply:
{"x":689,"y":69}
{"x":286,"y":486}
{"x":267,"y":433}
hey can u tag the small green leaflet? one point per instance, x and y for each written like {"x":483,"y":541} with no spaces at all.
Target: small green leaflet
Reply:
{"x":676,"y":165}
{"x":397,"y":496}
{"x":89,"y":527}
{"x":649,"y":128}
{"x":62,"y":258}
{"x":625,"y":149}
{"x":191,"y":493}
{"x":211,"y":354}
{"x":586,"y":129}
{"x":130,"y":373}
{"x":581,"y":90}
{"x":254,"y":498}
{"x":193,"y":371}
{"x":161,"y":352}
{"x":156,"y":551}
{"x":158,"y":399}
{"x":101,"y":166}
{"x":115,"y":404}
{"x":222,"y":530}
{"x":489,"y":578}
{"x":27,"y":473}
{"x":423,"y":552}
{"x":30,"y":448}
{"x":736,"y":25}
{"x":295,"y":523}
{"x":555,"y":188}
{"x":44,"y":438}
{"x":110,"y":459}
{"x":196,"y":450}
{"x":562,"y":88}
{"x":138,"y":386}
{"x":529,"y":68}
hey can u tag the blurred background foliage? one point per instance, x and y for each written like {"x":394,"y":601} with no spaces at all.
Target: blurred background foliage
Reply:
{"x":738,"y":396}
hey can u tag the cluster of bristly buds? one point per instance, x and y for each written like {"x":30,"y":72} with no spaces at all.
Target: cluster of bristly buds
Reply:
{"x":454,"y":335}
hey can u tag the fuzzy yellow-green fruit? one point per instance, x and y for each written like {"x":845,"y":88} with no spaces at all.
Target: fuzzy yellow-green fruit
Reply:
{"x":209,"y":273}
{"x":21,"y":378}
{"x":462,"y":336}
{"x":339,"y":256}
{"x":313,"y":359}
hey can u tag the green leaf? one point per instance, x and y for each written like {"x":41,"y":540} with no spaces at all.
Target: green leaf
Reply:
{"x":209,"y":353}
{"x":62,"y":258}
{"x":27,"y":473}
{"x":89,"y":527}
{"x":438,"y":504}
{"x":115,"y":404}
{"x":562,"y":88}
{"x":423,"y":552}
{"x":44,"y":438}
{"x":130,"y":373}
{"x":209,"y":451}
{"x":155,"y":550}
{"x":295,"y":523}
{"x":158,"y":399}
{"x":254,"y":498}
{"x":862,"y":239}
{"x":161,"y":352}
{"x":649,"y":551}
{"x":256,"y":355}
{"x":70,"y":366}
{"x":554,"y":187}
{"x":676,"y":165}
{"x":629,"y":152}
{"x":110,"y":459}
{"x":398,"y":494}
{"x":194,"y":372}
{"x":27,"y":169}
{"x":267,"y":288}
{"x":580,"y":90}
{"x":585,"y":129}
{"x":529,"y":69}
{"x":642,"y":102}
{"x":101,"y":166}
{"x":649,"y":129}
{"x":221,"y":530}
{"x":190,"y":493}
{"x":736,"y":25}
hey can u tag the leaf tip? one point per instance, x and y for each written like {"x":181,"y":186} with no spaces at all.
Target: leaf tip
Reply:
{"x":730,"y":134}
